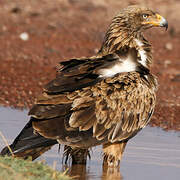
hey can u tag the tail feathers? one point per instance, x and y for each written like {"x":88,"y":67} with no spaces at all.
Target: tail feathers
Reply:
{"x":29,"y":144}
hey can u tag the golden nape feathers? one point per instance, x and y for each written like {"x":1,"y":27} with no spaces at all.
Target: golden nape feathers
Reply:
{"x":106,"y":99}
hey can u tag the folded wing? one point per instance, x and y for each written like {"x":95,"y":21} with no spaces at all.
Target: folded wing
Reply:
{"x":81,"y":108}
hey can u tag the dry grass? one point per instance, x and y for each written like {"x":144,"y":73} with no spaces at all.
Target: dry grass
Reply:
{"x":6,"y":143}
{"x":12,"y":168}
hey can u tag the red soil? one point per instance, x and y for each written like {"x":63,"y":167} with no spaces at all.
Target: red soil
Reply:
{"x":63,"y":29}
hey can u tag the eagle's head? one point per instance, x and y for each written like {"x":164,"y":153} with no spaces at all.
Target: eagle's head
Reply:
{"x":138,"y":18}
{"x":128,"y":26}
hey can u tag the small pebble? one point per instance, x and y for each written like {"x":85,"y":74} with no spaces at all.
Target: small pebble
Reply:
{"x":4,"y":28}
{"x":24,"y":36}
{"x":167,"y":63}
{"x":169,"y":46}
{"x":96,"y":50}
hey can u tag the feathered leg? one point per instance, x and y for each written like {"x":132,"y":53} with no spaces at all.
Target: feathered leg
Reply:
{"x":78,"y":156}
{"x":113,"y":153}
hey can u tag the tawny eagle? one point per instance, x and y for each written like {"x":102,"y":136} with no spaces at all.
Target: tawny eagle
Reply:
{"x":102,"y":100}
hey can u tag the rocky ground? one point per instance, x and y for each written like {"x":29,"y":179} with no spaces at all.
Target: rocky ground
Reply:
{"x":35,"y":35}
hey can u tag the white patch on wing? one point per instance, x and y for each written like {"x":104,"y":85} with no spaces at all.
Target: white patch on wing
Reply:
{"x":142,"y":52}
{"x":123,"y":65}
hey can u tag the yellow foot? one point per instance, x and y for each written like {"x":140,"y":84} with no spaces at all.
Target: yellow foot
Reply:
{"x":113,"y":153}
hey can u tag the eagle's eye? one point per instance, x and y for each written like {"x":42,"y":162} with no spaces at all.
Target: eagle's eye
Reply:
{"x":145,"y":16}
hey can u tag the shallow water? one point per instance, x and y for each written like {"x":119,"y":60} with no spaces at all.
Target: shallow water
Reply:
{"x":152,"y":154}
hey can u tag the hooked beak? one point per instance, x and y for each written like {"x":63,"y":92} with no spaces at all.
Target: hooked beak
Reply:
{"x":162,"y":21}
{"x":157,"y":21}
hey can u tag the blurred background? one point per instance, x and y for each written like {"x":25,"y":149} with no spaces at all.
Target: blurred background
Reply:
{"x":36,"y":35}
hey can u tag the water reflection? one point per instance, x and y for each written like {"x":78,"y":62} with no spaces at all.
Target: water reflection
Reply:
{"x":78,"y":172}
{"x":111,"y":173}
{"x":81,"y":172}
{"x":152,"y":154}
